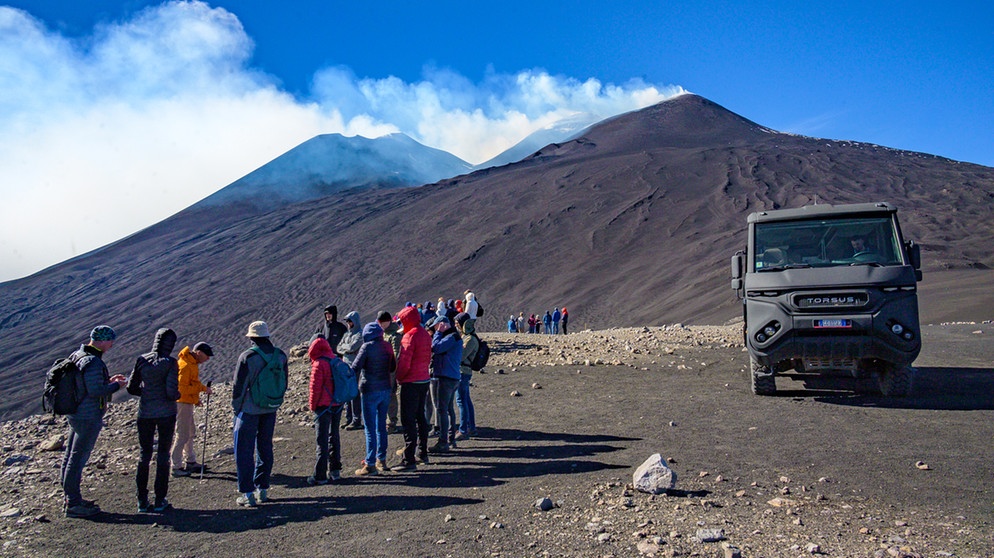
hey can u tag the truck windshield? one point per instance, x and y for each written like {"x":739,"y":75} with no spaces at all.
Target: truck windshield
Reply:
{"x":850,"y":241}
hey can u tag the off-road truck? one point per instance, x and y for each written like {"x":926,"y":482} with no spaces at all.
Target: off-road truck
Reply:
{"x":829,"y":288}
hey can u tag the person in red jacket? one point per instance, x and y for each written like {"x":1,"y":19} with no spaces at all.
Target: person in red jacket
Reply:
{"x":412,"y":377}
{"x":327,"y":415}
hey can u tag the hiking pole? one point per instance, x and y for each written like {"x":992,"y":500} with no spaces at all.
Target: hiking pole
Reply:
{"x":207,"y":418}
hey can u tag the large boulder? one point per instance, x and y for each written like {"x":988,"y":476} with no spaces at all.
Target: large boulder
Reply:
{"x":653,"y":476}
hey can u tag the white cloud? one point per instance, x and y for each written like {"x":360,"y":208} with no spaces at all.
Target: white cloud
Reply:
{"x":105,"y":135}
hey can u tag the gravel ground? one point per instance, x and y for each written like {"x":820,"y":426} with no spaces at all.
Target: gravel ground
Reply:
{"x":827,"y":467}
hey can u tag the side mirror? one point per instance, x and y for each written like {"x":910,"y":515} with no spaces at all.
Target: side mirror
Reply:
{"x":915,"y":258}
{"x":738,"y":266}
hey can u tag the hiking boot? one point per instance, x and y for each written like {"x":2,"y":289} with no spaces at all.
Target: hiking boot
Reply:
{"x":403,"y":467}
{"x":261,"y":495}
{"x":452,"y":443}
{"x":461,"y":436}
{"x":439,"y":448}
{"x":181,"y":473}
{"x":144,"y":506}
{"x":423,"y":458}
{"x":313,"y":481}
{"x":81,"y":510}
{"x":381,"y":466}
{"x":399,"y":453}
{"x":194,"y":468}
{"x":354,"y":426}
{"x":162,"y":506}
{"x":247,"y":500}
{"x":336,"y":476}
{"x":366,"y":470}
{"x":472,"y":432}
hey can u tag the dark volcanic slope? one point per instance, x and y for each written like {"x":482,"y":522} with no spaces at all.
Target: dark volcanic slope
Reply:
{"x":632,"y":224}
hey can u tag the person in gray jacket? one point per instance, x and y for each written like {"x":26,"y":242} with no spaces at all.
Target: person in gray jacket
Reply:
{"x":349,"y":347}
{"x":86,"y":422}
{"x":155,"y":380}
{"x":254,"y":425}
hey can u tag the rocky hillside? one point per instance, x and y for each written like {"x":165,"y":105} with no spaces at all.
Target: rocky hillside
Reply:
{"x":633,"y":223}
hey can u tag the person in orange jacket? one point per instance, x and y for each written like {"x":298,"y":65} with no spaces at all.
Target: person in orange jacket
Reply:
{"x":184,"y":457}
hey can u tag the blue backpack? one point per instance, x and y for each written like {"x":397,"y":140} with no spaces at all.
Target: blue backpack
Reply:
{"x":345,"y":381}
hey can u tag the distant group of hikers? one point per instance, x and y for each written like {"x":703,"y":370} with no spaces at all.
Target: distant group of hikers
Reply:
{"x":550,"y":321}
{"x":424,"y":355}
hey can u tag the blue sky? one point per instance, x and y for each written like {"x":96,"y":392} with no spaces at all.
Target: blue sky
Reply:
{"x":159,"y":104}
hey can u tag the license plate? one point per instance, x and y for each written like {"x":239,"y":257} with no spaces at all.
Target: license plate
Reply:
{"x":833,"y":323}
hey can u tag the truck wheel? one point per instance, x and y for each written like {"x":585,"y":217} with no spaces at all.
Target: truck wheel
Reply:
{"x":894,"y":380}
{"x":762,"y":380}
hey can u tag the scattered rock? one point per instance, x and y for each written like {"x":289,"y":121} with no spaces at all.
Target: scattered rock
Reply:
{"x":10,"y":512}
{"x":448,"y":517}
{"x":544,"y":504}
{"x":515,"y":393}
{"x":536,"y":385}
{"x":649,"y":548}
{"x":710,"y":535}
{"x":923,"y":466}
{"x":15,"y":459}
{"x":653,"y":476}
{"x":55,"y":443}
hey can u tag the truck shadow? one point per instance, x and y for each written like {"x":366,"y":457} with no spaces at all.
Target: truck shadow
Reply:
{"x":933,"y":388}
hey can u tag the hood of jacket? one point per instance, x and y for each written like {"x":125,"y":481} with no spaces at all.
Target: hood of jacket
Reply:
{"x":372,"y":331}
{"x":409,"y":318}
{"x":469,"y":327}
{"x":354,"y":317}
{"x":165,"y":341}
{"x":320,"y":348}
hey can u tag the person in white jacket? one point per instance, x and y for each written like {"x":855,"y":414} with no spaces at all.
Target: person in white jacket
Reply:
{"x":470,"y":305}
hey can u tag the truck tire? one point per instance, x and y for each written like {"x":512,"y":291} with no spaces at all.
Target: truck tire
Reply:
{"x":761,"y":378}
{"x":894,"y":380}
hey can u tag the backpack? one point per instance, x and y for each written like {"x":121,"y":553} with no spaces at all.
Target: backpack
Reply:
{"x":481,"y":357}
{"x":346,"y":384}
{"x":64,"y":387}
{"x":269,"y":384}
{"x":479,"y":309}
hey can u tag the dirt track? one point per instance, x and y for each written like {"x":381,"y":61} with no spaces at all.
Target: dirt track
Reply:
{"x":841,"y":460}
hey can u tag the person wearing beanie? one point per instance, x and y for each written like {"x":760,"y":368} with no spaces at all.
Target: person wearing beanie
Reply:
{"x":428,"y":313}
{"x":470,"y":345}
{"x":255,"y":418}
{"x":155,"y":380}
{"x":565,"y":320}
{"x":184,"y":455}
{"x":86,"y":422}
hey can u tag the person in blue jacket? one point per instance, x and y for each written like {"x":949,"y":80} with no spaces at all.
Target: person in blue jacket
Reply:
{"x":446,"y":354}
{"x":512,"y":325}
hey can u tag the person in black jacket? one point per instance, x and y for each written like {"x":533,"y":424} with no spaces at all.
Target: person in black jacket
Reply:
{"x":155,"y":379}
{"x":332,"y":329}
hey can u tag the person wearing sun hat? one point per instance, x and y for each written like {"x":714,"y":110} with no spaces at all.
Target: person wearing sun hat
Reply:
{"x":254,"y":424}
{"x":86,"y":422}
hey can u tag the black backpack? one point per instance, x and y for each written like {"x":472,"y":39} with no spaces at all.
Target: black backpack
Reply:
{"x":64,"y":387}
{"x":481,"y":357}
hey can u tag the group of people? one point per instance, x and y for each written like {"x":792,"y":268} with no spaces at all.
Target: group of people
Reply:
{"x":551,"y":322}
{"x":413,"y":368}
{"x":425,"y":359}
{"x":169,"y":388}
